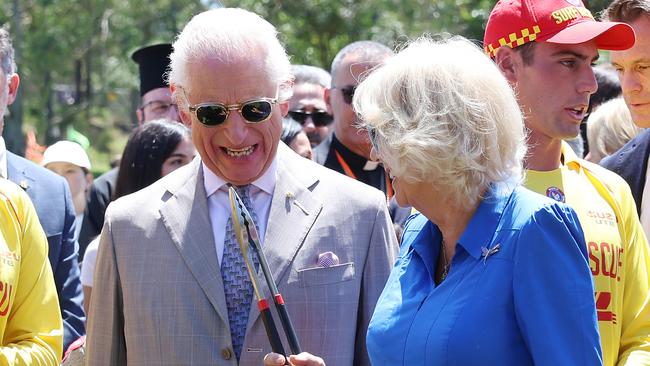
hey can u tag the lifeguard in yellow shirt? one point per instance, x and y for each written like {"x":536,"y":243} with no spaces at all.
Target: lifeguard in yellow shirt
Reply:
{"x":546,"y":50}
{"x":31,"y":329}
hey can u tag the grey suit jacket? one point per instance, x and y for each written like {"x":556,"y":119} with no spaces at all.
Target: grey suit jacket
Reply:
{"x":158,"y":296}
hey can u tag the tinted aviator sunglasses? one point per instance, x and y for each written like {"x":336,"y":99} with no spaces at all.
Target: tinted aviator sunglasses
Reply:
{"x":347,"y":92}
{"x":253,"y":111}
{"x":319,"y":118}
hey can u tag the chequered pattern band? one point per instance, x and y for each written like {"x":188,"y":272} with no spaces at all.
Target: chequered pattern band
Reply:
{"x":513,"y":40}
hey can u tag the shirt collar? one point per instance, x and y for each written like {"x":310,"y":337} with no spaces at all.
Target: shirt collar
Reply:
{"x":569,"y":157}
{"x":485,"y":220}
{"x":266,"y":182}
{"x":355,"y":161}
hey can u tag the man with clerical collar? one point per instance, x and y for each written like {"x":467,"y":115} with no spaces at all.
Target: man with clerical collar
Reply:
{"x":156,"y":103}
{"x":347,"y":149}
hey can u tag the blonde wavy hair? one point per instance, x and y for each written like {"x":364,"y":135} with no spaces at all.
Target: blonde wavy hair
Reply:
{"x":443,"y":113}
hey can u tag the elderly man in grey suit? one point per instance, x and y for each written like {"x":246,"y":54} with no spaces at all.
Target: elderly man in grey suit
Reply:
{"x":170,"y":284}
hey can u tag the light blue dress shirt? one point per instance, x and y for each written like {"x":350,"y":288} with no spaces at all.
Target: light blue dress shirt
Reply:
{"x":519,"y":291}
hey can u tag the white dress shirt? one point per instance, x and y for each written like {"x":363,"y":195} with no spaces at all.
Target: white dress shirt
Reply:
{"x":261,"y":194}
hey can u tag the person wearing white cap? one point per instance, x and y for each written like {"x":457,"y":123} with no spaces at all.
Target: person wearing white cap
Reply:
{"x":69,"y":160}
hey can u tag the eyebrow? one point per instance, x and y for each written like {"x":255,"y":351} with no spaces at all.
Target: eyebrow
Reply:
{"x":641,"y":60}
{"x":575,"y":54}
{"x":177,"y":155}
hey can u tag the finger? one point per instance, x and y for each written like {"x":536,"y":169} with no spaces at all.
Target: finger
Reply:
{"x":306,"y":359}
{"x":274,"y":359}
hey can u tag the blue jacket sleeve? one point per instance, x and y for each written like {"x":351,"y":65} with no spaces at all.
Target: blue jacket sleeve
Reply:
{"x":66,"y":276}
{"x":553,"y":290}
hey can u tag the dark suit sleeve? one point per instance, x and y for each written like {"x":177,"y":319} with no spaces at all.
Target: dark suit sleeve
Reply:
{"x":67,"y":279}
{"x":98,"y":199}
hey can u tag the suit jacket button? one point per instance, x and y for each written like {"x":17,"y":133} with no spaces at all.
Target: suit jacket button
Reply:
{"x":226,"y":353}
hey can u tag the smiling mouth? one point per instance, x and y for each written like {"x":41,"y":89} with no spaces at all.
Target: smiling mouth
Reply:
{"x":238,"y":153}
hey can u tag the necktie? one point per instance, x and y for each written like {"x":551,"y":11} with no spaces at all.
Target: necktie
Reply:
{"x":236,"y":283}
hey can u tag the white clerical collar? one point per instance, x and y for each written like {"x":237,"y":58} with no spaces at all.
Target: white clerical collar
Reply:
{"x":266,"y":182}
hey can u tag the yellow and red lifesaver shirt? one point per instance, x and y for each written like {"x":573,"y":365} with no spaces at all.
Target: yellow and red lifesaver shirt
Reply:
{"x":618,"y":252}
{"x":31,"y":329}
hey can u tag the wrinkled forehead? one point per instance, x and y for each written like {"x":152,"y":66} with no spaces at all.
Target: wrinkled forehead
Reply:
{"x":234,"y":79}
{"x":158,"y":95}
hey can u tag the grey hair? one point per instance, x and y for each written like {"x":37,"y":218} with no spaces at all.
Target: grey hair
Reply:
{"x":444,"y":114}
{"x":229,"y":34}
{"x":366,"y":51}
{"x":610,"y":127}
{"x":311,"y":75}
{"x":7,"y":61}
{"x":626,"y":10}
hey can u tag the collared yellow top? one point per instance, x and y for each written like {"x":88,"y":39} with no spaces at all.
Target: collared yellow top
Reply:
{"x":31,"y":328}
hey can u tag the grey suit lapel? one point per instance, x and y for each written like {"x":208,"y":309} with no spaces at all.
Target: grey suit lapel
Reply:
{"x":185,"y":216}
{"x":294,"y":209}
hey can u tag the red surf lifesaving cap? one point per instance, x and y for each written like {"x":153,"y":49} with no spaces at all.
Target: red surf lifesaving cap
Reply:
{"x":513,"y":23}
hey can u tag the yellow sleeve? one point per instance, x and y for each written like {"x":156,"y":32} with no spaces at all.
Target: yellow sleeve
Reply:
{"x":34,"y":330}
{"x":635,"y":332}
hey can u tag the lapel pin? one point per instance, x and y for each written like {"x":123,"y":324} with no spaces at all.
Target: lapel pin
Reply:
{"x":486,"y":252}
{"x":290,"y":196}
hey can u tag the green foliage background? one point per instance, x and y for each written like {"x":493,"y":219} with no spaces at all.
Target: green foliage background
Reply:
{"x":74,"y":55}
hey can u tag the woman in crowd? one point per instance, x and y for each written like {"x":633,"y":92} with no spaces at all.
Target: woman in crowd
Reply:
{"x":153,"y":150}
{"x":489,"y":273}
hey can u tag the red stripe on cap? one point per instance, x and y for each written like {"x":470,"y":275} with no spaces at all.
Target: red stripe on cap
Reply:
{"x":263,"y":304}
{"x":279,"y":300}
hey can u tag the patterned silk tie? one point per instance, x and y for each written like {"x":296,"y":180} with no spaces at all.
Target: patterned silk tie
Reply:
{"x":236,"y":282}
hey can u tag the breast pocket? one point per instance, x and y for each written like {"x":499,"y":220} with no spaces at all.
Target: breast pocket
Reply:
{"x":326,"y":275}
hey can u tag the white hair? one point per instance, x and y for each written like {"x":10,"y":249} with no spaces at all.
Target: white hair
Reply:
{"x":311,"y":75}
{"x":443,"y":113}
{"x":231,"y":34}
{"x":609,"y":127}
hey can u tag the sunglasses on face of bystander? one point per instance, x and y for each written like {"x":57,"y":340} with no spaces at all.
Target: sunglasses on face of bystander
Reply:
{"x":319,"y":118}
{"x":347,"y":92}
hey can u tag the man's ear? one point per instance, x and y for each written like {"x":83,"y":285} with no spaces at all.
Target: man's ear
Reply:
{"x":14,"y":82}
{"x":183,"y":112}
{"x":509,"y":62}
{"x":140,"y":114}
{"x":327,"y":94}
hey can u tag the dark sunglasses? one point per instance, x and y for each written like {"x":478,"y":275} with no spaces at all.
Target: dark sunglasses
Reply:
{"x":253,"y":111}
{"x":347,"y":92}
{"x":319,"y":118}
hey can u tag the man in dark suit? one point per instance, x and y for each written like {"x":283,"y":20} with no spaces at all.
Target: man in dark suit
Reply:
{"x":51,"y":197}
{"x":631,"y":161}
{"x":156,"y":103}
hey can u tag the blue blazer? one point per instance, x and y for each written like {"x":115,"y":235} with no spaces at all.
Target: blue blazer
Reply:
{"x":53,"y":201}
{"x":630,"y":162}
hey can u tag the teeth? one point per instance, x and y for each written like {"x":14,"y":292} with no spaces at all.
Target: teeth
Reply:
{"x":240,"y":152}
